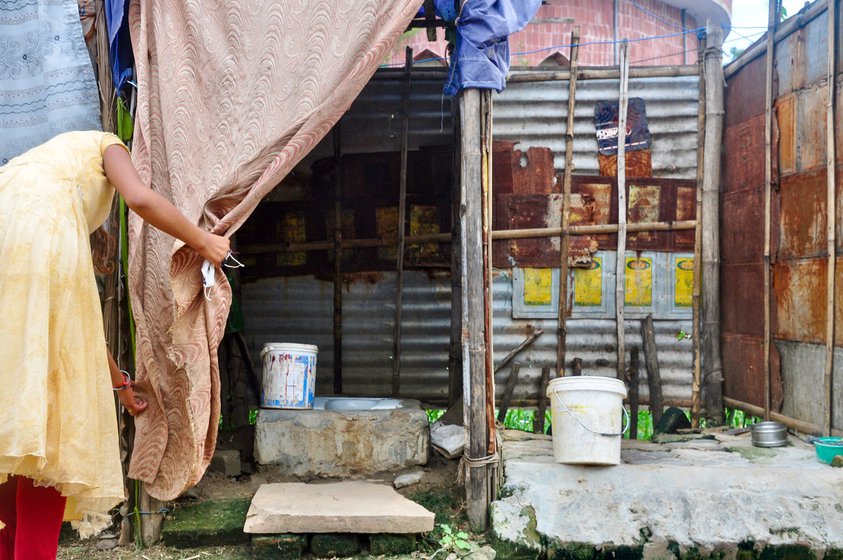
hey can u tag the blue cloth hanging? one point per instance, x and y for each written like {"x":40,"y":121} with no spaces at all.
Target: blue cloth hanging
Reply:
{"x":119,"y":43}
{"x":481,"y":57}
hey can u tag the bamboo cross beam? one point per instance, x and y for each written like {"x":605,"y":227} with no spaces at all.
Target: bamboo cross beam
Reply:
{"x":530,"y":233}
{"x":561,"y":317}
{"x":620,"y":276}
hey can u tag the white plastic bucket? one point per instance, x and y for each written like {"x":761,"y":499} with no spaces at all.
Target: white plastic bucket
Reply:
{"x":289,"y":375}
{"x":586,"y":419}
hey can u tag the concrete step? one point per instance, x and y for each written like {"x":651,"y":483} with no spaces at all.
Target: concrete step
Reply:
{"x":335,"y":507}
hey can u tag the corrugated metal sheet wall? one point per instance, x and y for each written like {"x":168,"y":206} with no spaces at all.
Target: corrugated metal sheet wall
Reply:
{"x":799,"y":223}
{"x":299,"y":309}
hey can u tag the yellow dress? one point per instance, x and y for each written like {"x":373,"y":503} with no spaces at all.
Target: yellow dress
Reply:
{"x":57,"y":418}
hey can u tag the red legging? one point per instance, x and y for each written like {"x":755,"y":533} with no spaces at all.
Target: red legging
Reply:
{"x":32,"y":515}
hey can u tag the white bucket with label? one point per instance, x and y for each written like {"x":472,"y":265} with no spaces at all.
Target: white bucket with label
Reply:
{"x":289,"y":375}
{"x":586,"y":419}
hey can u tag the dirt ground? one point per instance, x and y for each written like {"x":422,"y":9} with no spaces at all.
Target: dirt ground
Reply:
{"x":438,"y":491}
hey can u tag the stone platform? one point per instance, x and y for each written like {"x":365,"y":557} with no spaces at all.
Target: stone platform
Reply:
{"x":697,"y":498}
{"x":338,"y":444}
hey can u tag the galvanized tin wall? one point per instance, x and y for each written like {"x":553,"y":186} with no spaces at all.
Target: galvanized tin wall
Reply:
{"x":299,"y":310}
{"x":534,"y":114}
{"x":798,"y":222}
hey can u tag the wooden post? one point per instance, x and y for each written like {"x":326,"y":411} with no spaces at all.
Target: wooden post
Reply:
{"x":620,"y":284}
{"x":337,"y":260}
{"x":634,"y":367}
{"x":831,"y":219}
{"x":654,"y":378}
{"x":772,"y":19}
{"x":696,"y":384}
{"x":576,"y":367}
{"x":473,"y":335}
{"x":517,"y":350}
{"x":402,"y":219}
{"x":152,"y":520}
{"x":538,"y":424}
{"x":562,"y":316}
{"x":455,"y":372}
{"x":511,"y":382}
{"x":713,"y":376}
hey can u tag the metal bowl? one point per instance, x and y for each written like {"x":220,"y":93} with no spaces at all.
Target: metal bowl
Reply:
{"x":769,"y":434}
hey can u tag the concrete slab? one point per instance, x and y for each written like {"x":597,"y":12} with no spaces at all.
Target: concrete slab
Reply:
{"x":337,"y":507}
{"x":701,"y":494}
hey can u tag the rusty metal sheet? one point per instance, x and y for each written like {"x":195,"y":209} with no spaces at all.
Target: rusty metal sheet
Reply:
{"x":742,"y":226}
{"x":530,"y":172}
{"x":644,"y":206}
{"x":742,"y":99}
{"x":803,"y":215}
{"x":639,"y":164}
{"x":515,"y":211}
{"x":743,"y":154}
{"x":811,"y":128}
{"x":799,"y":293}
{"x":743,"y":367}
{"x":742,"y":298}
{"x":686,"y":209}
{"x":789,"y":63}
{"x":785,"y":108}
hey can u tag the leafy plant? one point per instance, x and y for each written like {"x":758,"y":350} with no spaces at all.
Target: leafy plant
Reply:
{"x":454,"y":541}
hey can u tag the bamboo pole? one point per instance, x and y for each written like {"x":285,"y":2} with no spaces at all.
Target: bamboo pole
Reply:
{"x":520,"y":76}
{"x":473,"y":336}
{"x":338,"y":247}
{"x":773,"y":6}
{"x":712,"y":376}
{"x":486,"y":179}
{"x":695,"y":334}
{"x":530,"y":233}
{"x":831,"y":219}
{"x":620,"y":276}
{"x":562,"y":316}
{"x":455,"y":373}
{"x":402,"y":219}
{"x":800,"y":425}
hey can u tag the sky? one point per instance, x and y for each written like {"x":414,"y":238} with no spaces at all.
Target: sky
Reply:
{"x":749,"y":22}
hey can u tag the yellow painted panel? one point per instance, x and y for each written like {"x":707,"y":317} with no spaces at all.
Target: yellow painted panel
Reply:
{"x":588,"y":284}
{"x":538,"y":286}
{"x":639,"y":281}
{"x":683,"y":291}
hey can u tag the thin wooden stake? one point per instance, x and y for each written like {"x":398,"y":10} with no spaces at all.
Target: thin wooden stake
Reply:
{"x":517,"y":350}
{"x":831,"y":219}
{"x":562,"y":316}
{"x":634,"y":400}
{"x":538,"y":424}
{"x":511,"y":382}
{"x":402,"y":219}
{"x":620,"y":276}
{"x":488,"y":277}
{"x":773,"y":6}
{"x":654,"y":377}
{"x":338,"y":259}
{"x":695,"y":314}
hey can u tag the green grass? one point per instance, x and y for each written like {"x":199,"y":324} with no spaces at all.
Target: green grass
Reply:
{"x":523,"y":419}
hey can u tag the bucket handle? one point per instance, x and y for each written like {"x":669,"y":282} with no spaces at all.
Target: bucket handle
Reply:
{"x":605,"y":434}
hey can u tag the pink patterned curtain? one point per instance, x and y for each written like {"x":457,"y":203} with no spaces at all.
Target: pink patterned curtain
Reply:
{"x":232,"y":94}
